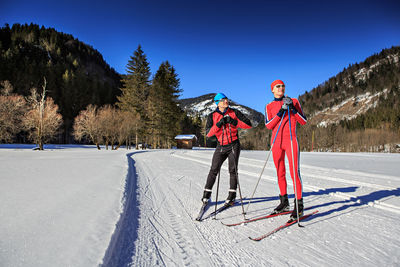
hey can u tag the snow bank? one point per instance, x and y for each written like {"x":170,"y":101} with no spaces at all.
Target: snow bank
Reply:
{"x":59,"y":207}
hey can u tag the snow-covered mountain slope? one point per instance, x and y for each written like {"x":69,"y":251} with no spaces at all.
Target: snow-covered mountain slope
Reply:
{"x":362,"y":88}
{"x":82,"y":207}
{"x":363,"y":74}
{"x":352,"y":107}
{"x":204,"y":105}
{"x":348,"y":109}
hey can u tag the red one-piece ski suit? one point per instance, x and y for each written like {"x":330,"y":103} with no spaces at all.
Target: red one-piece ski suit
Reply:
{"x":282,"y":144}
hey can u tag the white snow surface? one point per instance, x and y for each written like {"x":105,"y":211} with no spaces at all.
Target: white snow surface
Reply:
{"x":77,"y":206}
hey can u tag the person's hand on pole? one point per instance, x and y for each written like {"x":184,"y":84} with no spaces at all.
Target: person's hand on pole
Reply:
{"x":220,"y":123}
{"x":288,"y":103}
{"x":229,"y":120}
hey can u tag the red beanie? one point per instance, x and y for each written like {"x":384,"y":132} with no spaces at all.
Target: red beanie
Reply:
{"x":275,"y":83}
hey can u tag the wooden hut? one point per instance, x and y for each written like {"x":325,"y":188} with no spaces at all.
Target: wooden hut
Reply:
{"x":186,"y":141}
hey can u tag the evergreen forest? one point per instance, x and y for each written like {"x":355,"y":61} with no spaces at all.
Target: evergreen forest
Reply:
{"x":85,"y":88}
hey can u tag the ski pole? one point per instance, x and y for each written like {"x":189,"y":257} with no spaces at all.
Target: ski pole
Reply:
{"x":219,"y":175}
{"x":237,"y":174}
{"x":294,"y":173}
{"x":265,"y":164}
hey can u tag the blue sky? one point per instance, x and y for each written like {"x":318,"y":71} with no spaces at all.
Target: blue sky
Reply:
{"x":230,"y":46}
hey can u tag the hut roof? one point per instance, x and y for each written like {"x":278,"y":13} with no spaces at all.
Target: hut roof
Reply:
{"x":185,"y":137}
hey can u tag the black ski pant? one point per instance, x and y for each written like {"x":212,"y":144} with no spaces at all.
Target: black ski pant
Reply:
{"x":220,"y":155}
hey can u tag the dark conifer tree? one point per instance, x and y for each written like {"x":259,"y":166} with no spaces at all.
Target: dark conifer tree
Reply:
{"x":135,"y":91}
{"x":163,"y":103}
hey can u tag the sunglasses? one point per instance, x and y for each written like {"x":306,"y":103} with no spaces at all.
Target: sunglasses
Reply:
{"x":280,"y":85}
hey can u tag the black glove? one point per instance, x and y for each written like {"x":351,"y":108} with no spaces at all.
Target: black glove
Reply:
{"x":230,"y":120}
{"x":220,"y":123}
{"x":280,"y":112}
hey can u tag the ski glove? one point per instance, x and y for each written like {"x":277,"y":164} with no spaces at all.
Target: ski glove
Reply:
{"x":226,"y":120}
{"x":230,"y":120}
{"x":287,"y":100}
{"x":281,"y":112}
{"x":288,"y":103}
{"x":220,"y":123}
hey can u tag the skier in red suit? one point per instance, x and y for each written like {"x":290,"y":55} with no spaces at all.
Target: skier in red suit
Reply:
{"x":224,"y":123}
{"x":275,"y":112}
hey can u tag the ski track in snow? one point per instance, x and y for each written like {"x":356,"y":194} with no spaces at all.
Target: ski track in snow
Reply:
{"x":171,"y":230}
{"x":170,"y":185}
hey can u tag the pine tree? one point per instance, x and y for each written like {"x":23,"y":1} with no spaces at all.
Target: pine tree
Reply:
{"x":155,"y":104}
{"x":135,"y":91}
{"x":165,"y":92}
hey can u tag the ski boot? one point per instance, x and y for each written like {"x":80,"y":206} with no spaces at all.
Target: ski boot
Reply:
{"x":206,"y":196}
{"x":293,"y":216}
{"x":231,"y":198}
{"x":283,"y":206}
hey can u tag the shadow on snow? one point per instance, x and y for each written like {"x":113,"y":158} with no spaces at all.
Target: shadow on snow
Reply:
{"x":356,"y":201}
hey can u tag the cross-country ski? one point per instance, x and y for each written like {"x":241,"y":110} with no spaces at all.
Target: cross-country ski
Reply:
{"x":202,"y":211}
{"x":201,"y":216}
{"x":285,"y":225}
{"x":263,"y":217}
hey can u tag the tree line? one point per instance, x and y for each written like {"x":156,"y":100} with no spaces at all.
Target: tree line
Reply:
{"x":81,"y":87}
{"x":122,"y":109}
{"x":146,"y":112}
{"x":36,"y":115}
{"x":76,"y":73}
{"x":153,"y":103}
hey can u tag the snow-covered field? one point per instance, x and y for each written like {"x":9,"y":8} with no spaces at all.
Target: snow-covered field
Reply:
{"x":76,"y":206}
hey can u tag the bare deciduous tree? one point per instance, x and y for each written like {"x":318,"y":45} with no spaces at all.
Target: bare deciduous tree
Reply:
{"x":42,"y":120}
{"x":86,"y":125}
{"x":107,"y":119}
{"x":126,"y":124}
{"x":106,"y":124}
{"x":12,"y":109}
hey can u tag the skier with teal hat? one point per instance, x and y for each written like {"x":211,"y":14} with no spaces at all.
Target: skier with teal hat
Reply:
{"x":224,"y":123}
{"x":218,"y":97}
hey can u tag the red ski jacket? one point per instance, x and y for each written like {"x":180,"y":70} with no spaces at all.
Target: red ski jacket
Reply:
{"x":273,"y":118}
{"x":228,"y":136}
